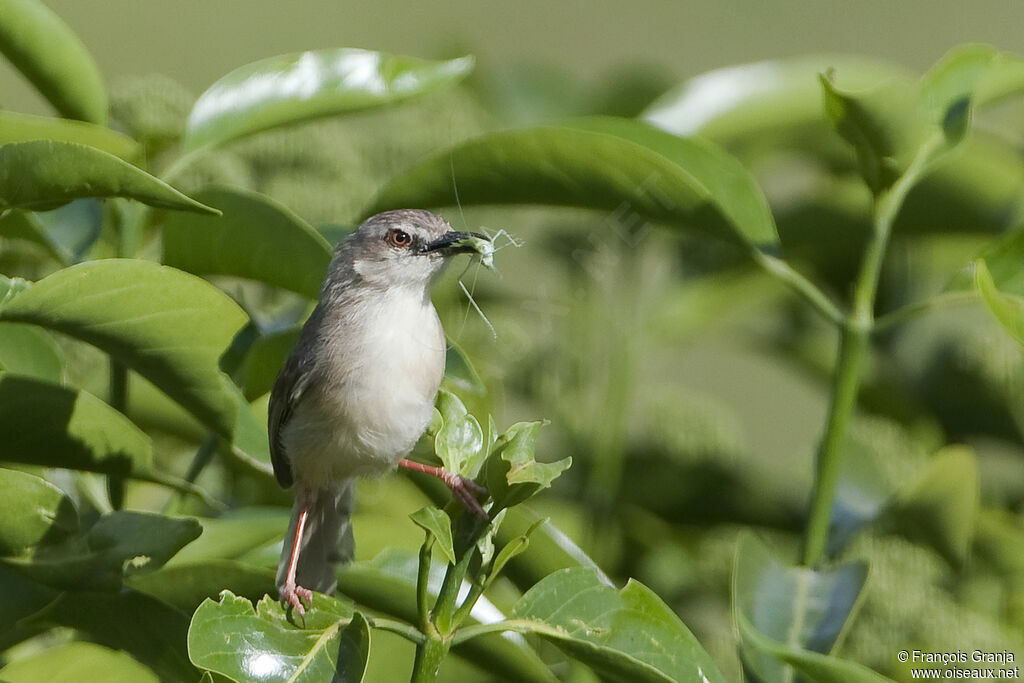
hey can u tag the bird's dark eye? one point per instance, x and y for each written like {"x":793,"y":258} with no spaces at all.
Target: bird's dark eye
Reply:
{"x":398,"y":238}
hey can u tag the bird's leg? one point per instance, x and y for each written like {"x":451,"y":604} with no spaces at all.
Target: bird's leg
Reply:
{"x":292,"y":594}
{"x":464,"y":490}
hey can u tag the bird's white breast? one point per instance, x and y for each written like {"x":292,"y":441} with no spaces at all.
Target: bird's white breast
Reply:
{"x":382,"y":372}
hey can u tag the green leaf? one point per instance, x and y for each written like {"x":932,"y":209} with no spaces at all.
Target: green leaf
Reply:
{"x":78,"y":661}
{"x":28,"y":350}
{"x":517,"y":546}
{"x":626,"y":635}
{"x":949,"y":87}
{"x":44,"y":174}
{"x":150,"y":631}
{"x":941,"y":507}
{"x":459,"y":442}
{"x":437,"y":524}
{"x":119,"y":544}
{"x":605,"y":163}
{"x":738,"y":105}
{"x":53,"y":59}
{"x":248,"y":241}
{"x":296,"y":87}
{"x":265,"y":359}
{"x":169,"y":326}
{"x":797,"y":608}
{"x":816,"y":667}
{"x":15,"y":127}
{"x":893,"y":127}
{"x":47,"y":424}
{"x":67,"y":233}
{"x":511,"y":472}
{"x":184,"y":586}
{"x":232,"y":638}
{"x":1001,"y":257}
{"x":550,"y":549}
{"x":1007,"y":309}
{"x":32,"y":512}
{"x":884,"y":126}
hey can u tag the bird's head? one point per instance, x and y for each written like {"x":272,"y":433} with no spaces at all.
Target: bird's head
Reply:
{"x":407,"y":247}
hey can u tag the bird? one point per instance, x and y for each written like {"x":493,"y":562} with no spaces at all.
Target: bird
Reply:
{"x":358,"y":389}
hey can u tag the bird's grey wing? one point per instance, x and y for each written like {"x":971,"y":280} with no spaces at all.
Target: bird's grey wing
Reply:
{"x":293,"y":381}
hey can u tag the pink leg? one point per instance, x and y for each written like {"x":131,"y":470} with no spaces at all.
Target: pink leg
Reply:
{"x":291,"y":593}
{"x":464,"y":490}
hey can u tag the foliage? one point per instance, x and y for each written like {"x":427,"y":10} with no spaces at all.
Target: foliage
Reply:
{"x":156,"y":273}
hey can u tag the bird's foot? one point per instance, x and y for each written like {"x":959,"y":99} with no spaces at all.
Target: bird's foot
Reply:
{"x":293,"y":595}
{"x":464,"y":490}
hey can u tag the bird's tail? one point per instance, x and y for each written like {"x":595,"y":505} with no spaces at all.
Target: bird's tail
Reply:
{"x":326,"y":542}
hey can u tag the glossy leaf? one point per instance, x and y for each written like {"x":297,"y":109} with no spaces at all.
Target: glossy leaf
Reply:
{"x":119,"y":544}
{"x":296,"y":87}
{"x":459,"y":441}
{"x":16,"y":127}
{"x":150,"y":631}
{"x":512,"y":473}
{"x":232,"y":638}
{"x":436,"y":523}
{"x":28,"y":350}
{"x":612,"y":164}
{"x":741,"y":103}
{"x":184,"y":586}
{"x":53,"y":59}
{"x":815,"y":666}
{"x":67,"y":233}
{"x":1007,"y":309}
{"x":32,"y":511}
{"x":168,"y":326}
{"x":255,"y":238}
{"x":78,"y":661}
{"x":941,"y":507}
{"x":626,"y":635}
{"x":47,"y":424}
{"x":797,"y":608}
{"x":44,"y":174}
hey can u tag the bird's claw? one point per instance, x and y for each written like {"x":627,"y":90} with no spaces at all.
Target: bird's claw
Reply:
{"x":293,"y":595}
{"x":466,"y":491}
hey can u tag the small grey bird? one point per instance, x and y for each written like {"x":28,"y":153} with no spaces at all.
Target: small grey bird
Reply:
{"x":358,"y":389}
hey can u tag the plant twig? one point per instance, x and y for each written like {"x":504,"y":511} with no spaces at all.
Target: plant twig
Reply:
{"x":853,"y":348}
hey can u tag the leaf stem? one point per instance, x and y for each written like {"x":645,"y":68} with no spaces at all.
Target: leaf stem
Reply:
{"x":916,"y":308}
{"x":800,"y":285}
{"x":517,"y":625}
{"x":401,"y":628}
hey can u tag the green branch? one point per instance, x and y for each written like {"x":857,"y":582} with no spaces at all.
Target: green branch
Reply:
{"x":857,"y":329}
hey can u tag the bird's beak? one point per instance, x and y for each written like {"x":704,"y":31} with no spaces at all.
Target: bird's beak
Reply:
{"x":453,"y":242}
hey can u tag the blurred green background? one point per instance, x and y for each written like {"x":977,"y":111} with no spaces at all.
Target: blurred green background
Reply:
{"x":690,"y":390}
{"x":195,"y":42}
